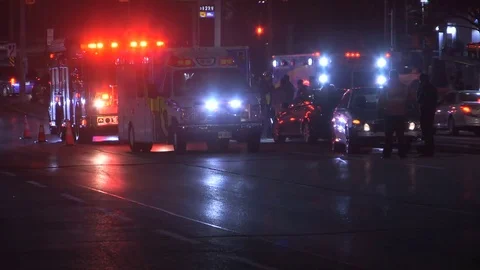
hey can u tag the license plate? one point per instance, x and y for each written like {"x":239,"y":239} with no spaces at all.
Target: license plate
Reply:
{"x":224,"y":135}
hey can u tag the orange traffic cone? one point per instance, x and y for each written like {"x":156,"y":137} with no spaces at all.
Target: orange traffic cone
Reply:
{"x":69,"y":140}
{"x":26,"y":130}
{"x":41,"y":135}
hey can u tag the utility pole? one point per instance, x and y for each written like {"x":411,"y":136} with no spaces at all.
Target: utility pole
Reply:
{"x":392,"y":26}
{"x":270,"y":30}
{"x":385,"y":22}
{"x":218,"y":23}
{"x":23,"y":46}
{"x":11,"y":18}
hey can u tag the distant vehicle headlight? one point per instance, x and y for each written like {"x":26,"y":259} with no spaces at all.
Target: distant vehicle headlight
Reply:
{"x":235,"y":103}
{"x":381,"y":80}
{"x":381,"y":62}
{"x":211,"y":105}
{"x":98,"y":103}
{"x":323,"y":78}
{"x":366,"y":127}
{"x":411,"y":126}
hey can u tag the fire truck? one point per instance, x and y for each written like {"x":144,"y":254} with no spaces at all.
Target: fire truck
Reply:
{"x":184,"y":95}
{"x":83,"y":89}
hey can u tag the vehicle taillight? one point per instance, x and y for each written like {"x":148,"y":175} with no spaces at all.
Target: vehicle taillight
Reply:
{"x":466,"y":109}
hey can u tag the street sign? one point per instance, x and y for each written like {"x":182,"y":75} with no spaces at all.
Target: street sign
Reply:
{"x":11,"y":50}
{"x":29,"y":2}
{"x":207,"y":11}
{"x":49,"y":36}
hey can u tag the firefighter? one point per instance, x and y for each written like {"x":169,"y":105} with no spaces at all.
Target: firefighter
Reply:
{"x":427,"y":96}
{"x":393,"y":106}
{"x":266,"y":88}
{"x":302,"y":91}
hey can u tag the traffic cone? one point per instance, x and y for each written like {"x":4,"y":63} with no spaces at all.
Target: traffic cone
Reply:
{"x":69,"y":140}
{"x":41,"y":135}
{"x":26,"y":130}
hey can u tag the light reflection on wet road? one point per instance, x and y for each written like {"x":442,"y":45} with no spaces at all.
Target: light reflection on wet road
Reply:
{"x":289,"y":207}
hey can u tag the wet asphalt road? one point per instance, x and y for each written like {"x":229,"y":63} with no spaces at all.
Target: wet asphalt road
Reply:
{"x":292,"y":206}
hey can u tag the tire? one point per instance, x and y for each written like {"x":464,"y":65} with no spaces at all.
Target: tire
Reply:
{"x":307,"y":134}
{"x":338,"y":147}
{"x":134,"y":147}
{"x":277,"y":138}
{"x":146,"y":147}
{"x":84,"y":136}
{"x":179,"y":144}
{"x":253,"y":143}
{"x":452,"y":129}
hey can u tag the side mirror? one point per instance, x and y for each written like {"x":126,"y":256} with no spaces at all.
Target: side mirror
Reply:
{"x":152,"y":91}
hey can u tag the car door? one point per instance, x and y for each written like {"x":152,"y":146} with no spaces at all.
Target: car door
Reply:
{"x":341,"y":117}
{"x":443,"y":110}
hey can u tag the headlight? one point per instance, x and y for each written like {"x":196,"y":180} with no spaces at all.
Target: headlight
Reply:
{"x":381,"y":80}
{"x":366,"y":127}
{"x":381,"y":62}
{"x":323,"y":78}
{"x":411,"y":126}
{"x":235,"y":104}
{"x":211,"y":105}
{"x":99,"y":103}
{"x":323,"y":61}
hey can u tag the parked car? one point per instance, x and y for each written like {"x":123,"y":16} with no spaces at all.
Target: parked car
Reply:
{"x":459,"y":110}
{"x":357,"y":123}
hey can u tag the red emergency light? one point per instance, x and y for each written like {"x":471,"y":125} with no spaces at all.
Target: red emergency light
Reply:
{"x":352,"y":54}
{"x":388,"y":55}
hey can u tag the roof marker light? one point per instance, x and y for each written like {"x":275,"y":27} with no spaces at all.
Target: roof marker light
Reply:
{"x":143,"y":44}
{"x":114,"y":45}
{"x":133,"y":44}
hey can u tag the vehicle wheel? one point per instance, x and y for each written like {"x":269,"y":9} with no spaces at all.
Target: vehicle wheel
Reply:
{"x":277,"y":138}
{"x":179,"y":144}
{"x":84,"y":136}
{"x":452,"y":129}
{"x":134,"y":147}
{"x":338,"y":147}
{"x":146,"y":147}
{"x":307,"y":134}
{"x":253,"y":143}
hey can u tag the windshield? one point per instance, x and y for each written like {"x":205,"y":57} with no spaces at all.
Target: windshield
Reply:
{"x":470,"y":97}
{"x":365,"y":98}
{"x":101,"y":74}
{"x":187,"y":82}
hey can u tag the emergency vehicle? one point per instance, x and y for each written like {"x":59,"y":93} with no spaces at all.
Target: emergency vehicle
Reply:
{"x":183,"y":95}
{"x":312,"y":69}
{"x":8,"y":73}
{"x":344,"y":70}
{"x":83,"y":89}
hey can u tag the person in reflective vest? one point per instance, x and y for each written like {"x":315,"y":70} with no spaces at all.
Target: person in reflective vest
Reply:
{"x":393,"y":105}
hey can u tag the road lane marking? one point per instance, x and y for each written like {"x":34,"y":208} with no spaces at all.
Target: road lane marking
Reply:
{"x":36,"y":184}
{"x":8,"y":173}
{"x":177,"y":236}
{"x":157,"y":209}
{"x":425,"y":166}
{"x":72,"y":198}
{"x":247,"y":262}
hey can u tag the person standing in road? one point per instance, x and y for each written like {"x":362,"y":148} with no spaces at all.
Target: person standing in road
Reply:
{"x":393,"y":106}
{"x":427,"y":96}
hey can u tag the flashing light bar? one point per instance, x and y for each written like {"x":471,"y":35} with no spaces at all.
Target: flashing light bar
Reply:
{"x":143,"y":44}
{"x":160,"y":43}
{"x":114,"y":45}
{"x":133,"y":44}
{"x":352,"y":54}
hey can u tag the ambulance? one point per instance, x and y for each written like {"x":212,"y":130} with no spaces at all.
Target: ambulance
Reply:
{"x":183,"y":95}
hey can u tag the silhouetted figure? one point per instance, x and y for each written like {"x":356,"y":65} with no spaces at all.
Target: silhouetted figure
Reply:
{"x":427,"y":97}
